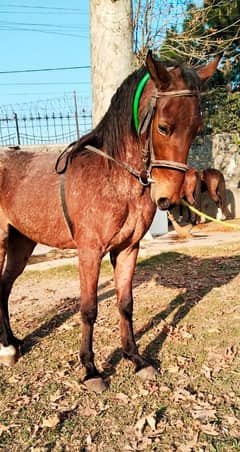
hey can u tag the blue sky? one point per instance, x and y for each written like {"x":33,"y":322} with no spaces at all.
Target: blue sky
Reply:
{"x":37,"y":34}
{"x":44,"y":34}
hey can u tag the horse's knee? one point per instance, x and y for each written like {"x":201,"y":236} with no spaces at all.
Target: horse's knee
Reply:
{"x":88,"y":314}
{"x":125,"y":307}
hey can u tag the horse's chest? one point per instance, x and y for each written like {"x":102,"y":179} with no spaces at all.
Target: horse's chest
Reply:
{"x":135,"y":221}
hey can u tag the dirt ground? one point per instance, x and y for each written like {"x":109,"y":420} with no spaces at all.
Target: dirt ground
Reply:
{"x":186,"y":322}
{"x":42,"y":290}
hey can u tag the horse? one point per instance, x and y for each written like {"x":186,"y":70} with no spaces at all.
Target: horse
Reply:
{"x":191,"y":191}
{"x":100,"y":195}
{"x":213,"y":181}
{"x":209,"y":180}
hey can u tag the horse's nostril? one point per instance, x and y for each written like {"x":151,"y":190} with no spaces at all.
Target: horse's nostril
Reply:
{"x":163,"y":203}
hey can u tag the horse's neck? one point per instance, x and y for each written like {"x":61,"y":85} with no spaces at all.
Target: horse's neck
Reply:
{"x":134,"y":154}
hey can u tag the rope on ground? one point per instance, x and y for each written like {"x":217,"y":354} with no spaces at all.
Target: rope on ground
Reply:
{"x":202,"y":214}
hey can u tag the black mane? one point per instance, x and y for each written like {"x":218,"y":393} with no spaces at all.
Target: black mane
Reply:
{"x":117,"y":123}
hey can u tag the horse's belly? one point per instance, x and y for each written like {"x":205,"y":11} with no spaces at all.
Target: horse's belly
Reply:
{"x":35,"y":210}
{"x":47,"y":232}
{"x":46,"y":229}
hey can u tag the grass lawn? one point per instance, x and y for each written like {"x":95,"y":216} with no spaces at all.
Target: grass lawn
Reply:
{"x":186,"y":317}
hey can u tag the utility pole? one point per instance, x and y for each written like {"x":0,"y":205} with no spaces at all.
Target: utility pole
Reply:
{"x":111,"y":50}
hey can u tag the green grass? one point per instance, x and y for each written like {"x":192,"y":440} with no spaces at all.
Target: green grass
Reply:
{"x":186,"y":316}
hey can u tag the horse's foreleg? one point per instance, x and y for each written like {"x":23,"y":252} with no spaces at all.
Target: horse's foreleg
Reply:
{"x":89,"y":267}
{"x":124,"y":265}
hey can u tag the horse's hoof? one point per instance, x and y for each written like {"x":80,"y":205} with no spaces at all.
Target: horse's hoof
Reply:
{"x":95,"y":384}
{"x":147,"y":373}
{"x":8,"y":355}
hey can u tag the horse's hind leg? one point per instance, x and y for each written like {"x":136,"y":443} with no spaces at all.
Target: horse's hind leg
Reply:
{"x":18,"y":248}
{"x":222,"y":203}
{"x":124,"y":264}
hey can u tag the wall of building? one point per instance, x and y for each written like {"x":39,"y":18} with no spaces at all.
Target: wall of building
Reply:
{"x":222,"y":152}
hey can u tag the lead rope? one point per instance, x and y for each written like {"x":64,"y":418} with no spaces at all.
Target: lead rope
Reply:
{"x":202,"y":214}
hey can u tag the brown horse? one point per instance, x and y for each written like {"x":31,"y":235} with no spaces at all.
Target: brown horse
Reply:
{"x":105,"y":197}
{"x":213,"y":181}
{"x":209,"y":180}
{"x":191,"y":191}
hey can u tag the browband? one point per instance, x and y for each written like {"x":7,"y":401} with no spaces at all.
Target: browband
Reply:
{"x":140,"y":88}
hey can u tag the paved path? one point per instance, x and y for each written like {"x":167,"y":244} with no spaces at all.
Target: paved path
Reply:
{"x":152,"y":247}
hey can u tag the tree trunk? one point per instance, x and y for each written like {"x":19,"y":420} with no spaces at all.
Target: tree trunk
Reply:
{"x":111,"y":50}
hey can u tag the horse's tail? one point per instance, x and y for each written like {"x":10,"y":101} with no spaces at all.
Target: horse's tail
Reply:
{"x":197,"y":199}
{"x":222,"y":194}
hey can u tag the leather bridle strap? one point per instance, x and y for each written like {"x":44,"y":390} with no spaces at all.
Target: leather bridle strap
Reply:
{"x":141,"y":175}
{"x":124,"y":165}
{"x":169,"y":164}
{"x":178,"y":93}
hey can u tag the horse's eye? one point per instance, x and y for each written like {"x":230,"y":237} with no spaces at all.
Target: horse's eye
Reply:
{"x":163,"y":129}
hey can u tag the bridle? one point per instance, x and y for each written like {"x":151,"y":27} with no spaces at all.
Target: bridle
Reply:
{"x":144,"y":126}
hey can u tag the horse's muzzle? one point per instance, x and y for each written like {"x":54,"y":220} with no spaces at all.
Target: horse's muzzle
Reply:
{"x":163,"y":203}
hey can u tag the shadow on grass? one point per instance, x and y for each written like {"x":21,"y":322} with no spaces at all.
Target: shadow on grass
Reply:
{"x":176,"y":270}
{"x":69,"y":308}
{"x":196,"y":276}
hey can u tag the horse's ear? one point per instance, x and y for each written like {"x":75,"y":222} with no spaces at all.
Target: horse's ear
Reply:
{"x":158,"y":72}
{"x":207,"y":71}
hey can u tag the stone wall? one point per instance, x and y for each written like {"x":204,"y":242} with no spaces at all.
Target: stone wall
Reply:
{"x":223,"y":153}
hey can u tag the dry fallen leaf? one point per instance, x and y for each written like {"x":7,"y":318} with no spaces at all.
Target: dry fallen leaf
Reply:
{"x":173,"y":369}
{"x":206,"y":371}
{"x":152,"y":421}
{"x":88,"y":411}
{"x":203,"y":414}
{"x":4,"y":428}
{"x":140,"y":425}
{"x":121,"y":397}
{"x":209,"y":429}
{"x":51,"y":421}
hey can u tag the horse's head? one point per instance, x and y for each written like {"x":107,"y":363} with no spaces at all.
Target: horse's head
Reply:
{"x":176,"y":120}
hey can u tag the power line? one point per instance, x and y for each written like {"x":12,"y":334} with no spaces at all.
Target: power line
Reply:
{"x":24,"y":71}
{"x":46,"y":8}
{"x":6,"y":28}
{"x":44,"y":83}
{"x":7,"y":23}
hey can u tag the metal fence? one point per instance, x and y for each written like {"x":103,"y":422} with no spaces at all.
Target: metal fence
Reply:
{"x":40,"y":125}
{"x":40,"y":128}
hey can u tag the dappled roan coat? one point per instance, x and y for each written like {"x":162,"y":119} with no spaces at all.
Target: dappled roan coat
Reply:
{"x":103,"y":201}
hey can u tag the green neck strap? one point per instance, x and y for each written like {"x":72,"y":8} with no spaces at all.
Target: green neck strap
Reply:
{"x":137,"y":97}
